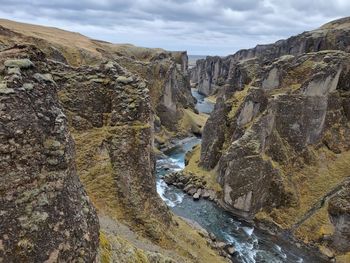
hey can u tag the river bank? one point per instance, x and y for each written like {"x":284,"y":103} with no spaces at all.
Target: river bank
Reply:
{"x":251,"y":243}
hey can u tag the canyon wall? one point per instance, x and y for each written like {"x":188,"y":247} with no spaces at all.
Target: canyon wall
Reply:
{"x":278,"y":139}
{"x":75,"y":108}
{"x":45,"y":214}
{"x":212,"y":72}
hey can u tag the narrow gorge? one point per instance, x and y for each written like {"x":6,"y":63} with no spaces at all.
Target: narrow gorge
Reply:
{"x":117,"y":153}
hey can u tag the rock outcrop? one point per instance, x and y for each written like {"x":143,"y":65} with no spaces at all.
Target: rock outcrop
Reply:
{"x":278,"y":138}
{"x":339,"y":211}
{"x":110,"y":98}
{"x":212,"y":72}
{"x":45,"y":214}
{"x":117,"y":103}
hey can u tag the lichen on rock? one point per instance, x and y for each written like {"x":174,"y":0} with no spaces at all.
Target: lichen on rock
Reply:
{"x":45,"y":212}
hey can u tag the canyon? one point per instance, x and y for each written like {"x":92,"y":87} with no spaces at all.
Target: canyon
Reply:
{"x":278,"y":139}
{"x":90,"y":131}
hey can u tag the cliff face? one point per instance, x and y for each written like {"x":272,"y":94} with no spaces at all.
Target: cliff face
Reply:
{"x":109,"y":98}
{"x":209,"y":74}
{"x":166,"y":72}
{"x":213,"y":72}
{"x":111,"y":101}
{"x":45,"y":212}
{"x":279,"y":137}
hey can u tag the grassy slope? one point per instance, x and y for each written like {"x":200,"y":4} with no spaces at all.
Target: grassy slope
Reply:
{"x":95,"y":172}
{"x":77,"y":48}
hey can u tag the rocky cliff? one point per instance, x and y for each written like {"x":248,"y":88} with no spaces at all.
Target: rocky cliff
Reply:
{"x":72,"y":106}
{"x":166,"y":72}
{"x":278,"y":138}
{"x":45,"y":212}
{"x":211,"y":73}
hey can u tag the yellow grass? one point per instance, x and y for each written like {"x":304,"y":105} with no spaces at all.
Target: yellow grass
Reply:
{"x":194,"y":168}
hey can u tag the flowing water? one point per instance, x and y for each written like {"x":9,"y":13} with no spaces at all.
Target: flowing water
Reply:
{"x":252,"y":245}
{"x":202,"y":105}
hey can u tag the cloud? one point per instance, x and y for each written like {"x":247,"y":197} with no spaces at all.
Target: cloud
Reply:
{"x":200,"y":26}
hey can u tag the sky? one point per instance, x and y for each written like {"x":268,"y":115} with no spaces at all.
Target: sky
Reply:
{"x":202,"y":27}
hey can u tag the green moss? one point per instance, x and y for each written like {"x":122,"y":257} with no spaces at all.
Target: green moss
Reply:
{"x":237,"y":100}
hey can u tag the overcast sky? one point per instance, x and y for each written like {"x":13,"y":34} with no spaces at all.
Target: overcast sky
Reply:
{"x":202,"y":27}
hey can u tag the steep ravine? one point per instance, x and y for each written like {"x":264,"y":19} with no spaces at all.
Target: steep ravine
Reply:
{"x":252,"y":245}
{"x":278,"y":139}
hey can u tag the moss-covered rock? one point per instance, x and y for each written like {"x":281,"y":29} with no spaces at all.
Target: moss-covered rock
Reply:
{"x":45,"y":212}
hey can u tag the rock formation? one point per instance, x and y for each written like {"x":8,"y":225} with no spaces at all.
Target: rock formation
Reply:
{"x":278,"y":138}
{"x":70,"y":107}
{"x":213,"y":72}
{"x":45,"y":212}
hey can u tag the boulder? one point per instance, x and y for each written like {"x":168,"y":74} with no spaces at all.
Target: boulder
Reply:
{"x":192,"y":191}
{"x":230,"y":249}
{"x":125,"y":80}
{"x":19,"y":63}
{"x":196,"y":196}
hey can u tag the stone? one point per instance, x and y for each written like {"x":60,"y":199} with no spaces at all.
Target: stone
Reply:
{"x":15,"y":71}
{"x":205,"y":194}
{"x":28,"y":86}
{"x":46,"y":206}
{"x":192,"y":191}
{"x":212,"y":236}
{"x":19,"y":63}
{"x":109,"y":65}
{"x":143,"y":85}
{"x":180,"y":185}
{"x":196,"y":196}
{"x":43,"y":77}
{"x":230,"y":249}
{"x":5,"y":90}
{"x":125,"y":80}
{"x":220,"y":245}
{"x":188,"y":187}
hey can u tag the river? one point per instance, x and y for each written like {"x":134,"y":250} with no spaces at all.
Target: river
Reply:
{"x":252,"y":245}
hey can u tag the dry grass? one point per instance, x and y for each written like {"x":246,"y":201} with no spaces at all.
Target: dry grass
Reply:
{"x":77,"y":48}
{"x":208,"y":176}
{"x":315,"y":182}
{"x":191,"y":245}
{"x":193,"y":122}
{"x":315,"y":227}
{"x":95,"y":171}
{"x":211,"y":99}
{"x":184,"y":244}
{"x":343,"y":258}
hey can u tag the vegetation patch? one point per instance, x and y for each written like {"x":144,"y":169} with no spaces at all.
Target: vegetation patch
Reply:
{"x":193,"y":167}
